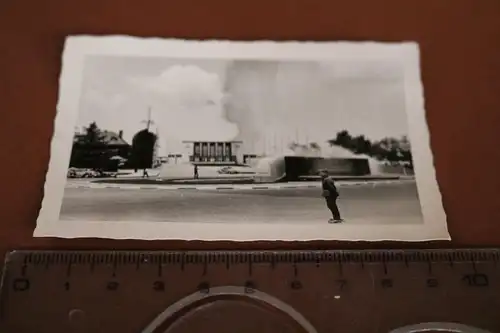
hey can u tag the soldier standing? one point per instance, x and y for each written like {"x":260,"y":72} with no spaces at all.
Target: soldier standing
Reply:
{"x":196,"y":175}
{"x":331,"y":195}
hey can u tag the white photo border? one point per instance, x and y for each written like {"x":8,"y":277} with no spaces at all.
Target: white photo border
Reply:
{"x":77,"y":48}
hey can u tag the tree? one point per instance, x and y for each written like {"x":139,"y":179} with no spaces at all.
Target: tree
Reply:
{"x":360,"y":145}
{"x":93,"y":135}
{"x":342,"y":139}
{"x":89,"y":149}
{"x":143,"y":146}
{"x":388,"y":149}
{"x":378,"y":151}
{"x":314,"y":145}
{"x":357,"y":145}
{"x":405,"y":150}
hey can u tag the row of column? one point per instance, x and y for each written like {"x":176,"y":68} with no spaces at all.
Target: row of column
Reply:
{"x":212,"y":151}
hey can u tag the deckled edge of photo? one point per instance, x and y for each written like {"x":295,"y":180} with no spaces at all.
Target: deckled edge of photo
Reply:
{"x":70,"y":82}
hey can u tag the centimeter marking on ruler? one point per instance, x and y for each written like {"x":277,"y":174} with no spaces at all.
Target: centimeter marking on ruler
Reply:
{"x":248,"y":257}
{"x":23,"y":259}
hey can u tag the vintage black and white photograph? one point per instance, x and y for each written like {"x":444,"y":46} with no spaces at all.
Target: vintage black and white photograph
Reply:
{"x":171,"y":139}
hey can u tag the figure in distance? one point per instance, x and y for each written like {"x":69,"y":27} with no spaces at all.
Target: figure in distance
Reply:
{"x":331,"y":195}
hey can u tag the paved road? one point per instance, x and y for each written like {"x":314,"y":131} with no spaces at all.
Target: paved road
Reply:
{"x":393,"y":203}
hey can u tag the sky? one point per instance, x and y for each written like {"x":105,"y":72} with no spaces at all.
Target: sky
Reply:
{"x":265,"y":104}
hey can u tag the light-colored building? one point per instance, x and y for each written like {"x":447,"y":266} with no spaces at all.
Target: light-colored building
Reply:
{"x":211,"y":152}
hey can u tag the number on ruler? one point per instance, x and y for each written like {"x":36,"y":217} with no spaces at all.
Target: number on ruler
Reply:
{"x":250,"y":287}
{"x":386,"y":283}
{"x":21,"y":284}
{"x":432,"y":283}
{"x":476,"y":280}
{"x":112,"y":286}
{"x":342,"y":284}
{"x":296,"y":285}
{"x":204,"y":288}
{"x":158,"y":286}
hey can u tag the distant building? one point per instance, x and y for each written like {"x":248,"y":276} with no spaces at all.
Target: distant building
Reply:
{"x":110,"y":139}
{"x":172,"y":158}
{"x":213,"y":152}
{"x":248,"y":157}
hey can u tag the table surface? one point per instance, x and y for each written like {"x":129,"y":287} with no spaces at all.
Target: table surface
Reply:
{"x":460,"y":48}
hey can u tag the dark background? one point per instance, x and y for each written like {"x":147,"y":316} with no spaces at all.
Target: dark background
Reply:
{"x":460,"y":54}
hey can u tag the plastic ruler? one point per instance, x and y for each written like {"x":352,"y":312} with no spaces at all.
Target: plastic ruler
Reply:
{"x":393,"y":291}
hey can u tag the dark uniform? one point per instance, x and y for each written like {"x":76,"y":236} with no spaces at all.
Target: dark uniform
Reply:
{"x":196,"y":176}
{"x":331,"y":194}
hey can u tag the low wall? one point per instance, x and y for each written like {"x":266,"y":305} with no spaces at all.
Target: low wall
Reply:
{"x":297,"y":166}
{"x":268,"y":169}
{"x":395,"y":170}
{"x":278,"y":168}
